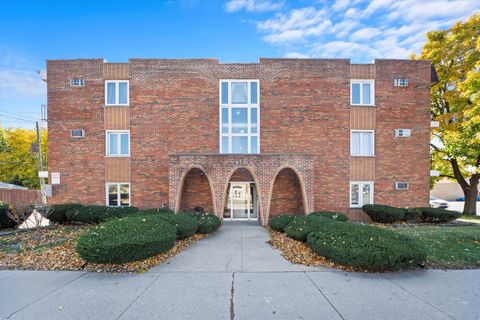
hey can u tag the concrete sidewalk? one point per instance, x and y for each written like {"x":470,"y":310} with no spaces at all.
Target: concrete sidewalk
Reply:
{"x":241,"y":279}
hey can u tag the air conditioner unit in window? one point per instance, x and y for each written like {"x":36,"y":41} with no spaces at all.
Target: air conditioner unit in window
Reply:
{"x":400,"y":82}
{"x":403,"y":133}
{"x":77,"y":83}
{"x":77,"y":133}
{"x":401,"y":185}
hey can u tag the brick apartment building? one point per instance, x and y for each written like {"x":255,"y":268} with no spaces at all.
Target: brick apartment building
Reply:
{"x":243,"y":141}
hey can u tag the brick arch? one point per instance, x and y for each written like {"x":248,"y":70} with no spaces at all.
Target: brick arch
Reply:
{"x":301,"y":184}
{"x":229,"y":176}
{"x":180,"y":192}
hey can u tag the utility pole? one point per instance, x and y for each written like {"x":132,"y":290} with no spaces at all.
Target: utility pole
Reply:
{"x":40,"y":166}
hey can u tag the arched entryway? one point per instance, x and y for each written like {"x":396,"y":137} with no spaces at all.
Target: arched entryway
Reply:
{"x":242,"y":201}
{"x":287,"y":196}
{"x":196,"y":193}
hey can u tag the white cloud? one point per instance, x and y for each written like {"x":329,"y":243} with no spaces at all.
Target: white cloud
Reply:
{"x":253,"y":5}
{"x":365,"y":34}
{"x":296,"y":55}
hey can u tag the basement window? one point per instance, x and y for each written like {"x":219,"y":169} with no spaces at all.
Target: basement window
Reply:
{"x":118,"y":194}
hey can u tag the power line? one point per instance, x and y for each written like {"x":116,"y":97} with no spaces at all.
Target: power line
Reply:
{"x":18,"y":115}
{"x":17,"y":118}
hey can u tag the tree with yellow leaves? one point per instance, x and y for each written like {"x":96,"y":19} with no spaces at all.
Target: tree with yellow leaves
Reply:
{"x":455,"y":54}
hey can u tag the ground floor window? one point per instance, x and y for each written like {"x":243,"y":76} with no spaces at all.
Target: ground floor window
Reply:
{"x":361,"y":193}
{"x":118,"y":194}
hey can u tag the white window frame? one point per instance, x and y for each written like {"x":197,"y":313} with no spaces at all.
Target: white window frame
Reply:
{"x":249,"y":106}
{"x":401,"y":82}
{"x":397,"y":183}
{"x":77,"y":83}
{"x":117,"y":93}
{"x":77,"y":137}
{"x":372,"y":91}
{"x":360,"y":198}
{"x":107,"y":143}
{"x":108,"y":184}
{"x":373,"y":142}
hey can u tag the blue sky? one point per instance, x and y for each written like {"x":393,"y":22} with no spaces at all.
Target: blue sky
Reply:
{"x":231,"y":30}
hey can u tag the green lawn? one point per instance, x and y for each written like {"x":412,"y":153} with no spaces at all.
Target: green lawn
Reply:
{"x":448,"y":247}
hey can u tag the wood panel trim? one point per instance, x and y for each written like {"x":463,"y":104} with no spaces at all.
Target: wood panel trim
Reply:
{"x":362,"y":118}
{"x":117,"y":169}
{"x":117,"y":118}
{"x":362,"y":71}
{"x":116,"y":71}
{"x":362,"y":169}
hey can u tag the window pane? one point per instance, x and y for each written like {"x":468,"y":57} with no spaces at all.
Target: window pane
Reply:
{"x":224,"y":93}
{"x":366,"y":194}
{"x":239,"y":120}
{"x":224,"y":120}
{"x":239,"y":144}
{"x":224,"y":144}
{"x":124,"y":195}
{"x":367,"y":144}
{"x":354,"y":198}
{"x":366,"y":93}
{"x":355,"y":144}
{"x":253,"y":92}
{"x":124,"y":143}
{"x":254,"y":145}
{"x":111,"y":93}
{"x":239,"y":92}
{"x":122,"y":92}
{"x":355,"y":93}
{"x":112,"y":144}
{"x":112,"y":195}
{"x":254,"y":116}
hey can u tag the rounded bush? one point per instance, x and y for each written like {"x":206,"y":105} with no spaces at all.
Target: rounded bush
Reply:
{"x":331,"y":215}
{"x":366,"y":247}
{"x":186,"y":225}
{"x":301,"y":226}
{"x":58,"y":213}
{"x":278,"y":223}
{"x":208,"y":223}
{"x":438,"y":215}
{"x":5,"y":221}
{"x":383,"y":214}
{"x":126,"y":239}
{"x":412,"y":214}
{"x":95,"y":214}
{"x":155,"y":211}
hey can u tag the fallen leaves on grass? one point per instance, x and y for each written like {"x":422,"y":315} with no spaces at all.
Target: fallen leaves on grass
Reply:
{"x":54,"y":249}
{"x":300,"y":253}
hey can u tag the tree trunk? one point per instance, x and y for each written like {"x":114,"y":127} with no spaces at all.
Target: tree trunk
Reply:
{"x":470,"y":207}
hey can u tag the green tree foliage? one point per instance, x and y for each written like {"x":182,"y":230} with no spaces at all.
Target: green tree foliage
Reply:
{"x":18,"y":164}
{"x":455,"y":54}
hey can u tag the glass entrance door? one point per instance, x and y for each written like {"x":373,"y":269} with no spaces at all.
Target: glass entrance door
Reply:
{"x":241,"y":202}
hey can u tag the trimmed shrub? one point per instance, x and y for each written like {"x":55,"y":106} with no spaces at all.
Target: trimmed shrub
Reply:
{"x":383,"y":214}
{"x":438,"y":215}
{"x":412,"y":214}
{"x":58,"y":213}
{"x":279,"y":223}
{"x":186,"y":225}
{"x":301,"y":226}
{"x":95,"y":214}
{"x":366,"y":247}
{"x":5,"y":221}
{"x":126,"y":239}
{"x":331,"y":215}
{"x":207,"y":223}
{"x":155,"y":211}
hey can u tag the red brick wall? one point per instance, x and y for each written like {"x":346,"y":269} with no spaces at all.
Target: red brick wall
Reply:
{"x":304,"y":108}
{"x":286,"y":195}
{"x":196,"y":192}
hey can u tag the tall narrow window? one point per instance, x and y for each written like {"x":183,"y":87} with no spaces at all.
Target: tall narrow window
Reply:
{"x":361,"y":193}
{"x":362,"y":143}
{"x":118,"y":143}
{"x":362,"y":92}
{"x":239,"y":116}
{"x":116,"y":93}
{"x":118,"y":194}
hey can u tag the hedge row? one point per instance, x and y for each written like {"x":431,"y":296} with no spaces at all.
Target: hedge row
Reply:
{"x":279,"y":223}
{"x":127,"y":239}
{"x":388,"y":214}
{"x":351,"y":244}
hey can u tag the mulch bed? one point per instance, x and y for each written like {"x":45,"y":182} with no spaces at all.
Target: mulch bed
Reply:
{"x":54,"y":249}
{"x":299,"y":252}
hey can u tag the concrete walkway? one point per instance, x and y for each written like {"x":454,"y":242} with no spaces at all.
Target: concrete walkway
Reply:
{"x":234,"y":274}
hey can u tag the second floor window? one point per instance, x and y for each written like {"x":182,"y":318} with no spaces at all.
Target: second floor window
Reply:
{"x":239,"y":116}
{"x":118,"y":143}
{"x":362,"y":143}
{"x":116,"y":93}
{"x":362,"y":92}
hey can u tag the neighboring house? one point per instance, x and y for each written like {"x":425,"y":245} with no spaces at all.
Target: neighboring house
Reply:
{"x":447,"y":189}
{"x":244,"y":141}
{"x":5,"y":185}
